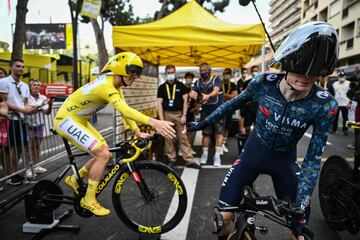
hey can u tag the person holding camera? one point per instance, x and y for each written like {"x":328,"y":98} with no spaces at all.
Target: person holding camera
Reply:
{"x":289,"y":103}
{"x":207,"y":90}
{"x":341,"y":88}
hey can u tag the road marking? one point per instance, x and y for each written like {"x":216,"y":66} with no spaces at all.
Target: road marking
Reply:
{"x":189,"y":177}
{"x":309,"y":136}
{"x":198,"y":139}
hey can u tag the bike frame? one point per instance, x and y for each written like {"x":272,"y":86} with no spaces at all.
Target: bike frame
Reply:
{"x":111,"y":173}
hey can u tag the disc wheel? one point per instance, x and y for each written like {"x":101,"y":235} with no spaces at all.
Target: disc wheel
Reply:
{"x":157,"y":212}
{"x":331,"y":187}
{"x":42,"y":191}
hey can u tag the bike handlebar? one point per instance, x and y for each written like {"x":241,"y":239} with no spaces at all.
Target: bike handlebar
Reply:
{"x":251,"y":201}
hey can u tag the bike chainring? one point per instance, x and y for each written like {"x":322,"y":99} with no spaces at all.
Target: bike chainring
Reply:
{"x":43,"y":192}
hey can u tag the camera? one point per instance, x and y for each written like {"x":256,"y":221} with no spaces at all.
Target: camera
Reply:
{"x":354,"y":92}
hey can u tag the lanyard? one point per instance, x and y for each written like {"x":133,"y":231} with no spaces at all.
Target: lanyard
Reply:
{"x":173,"y":93}
{"x":228,"y":91}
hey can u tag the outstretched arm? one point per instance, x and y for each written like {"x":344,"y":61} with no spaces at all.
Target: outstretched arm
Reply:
{"x":228,"y":107}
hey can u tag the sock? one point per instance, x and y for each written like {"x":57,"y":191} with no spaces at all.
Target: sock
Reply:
{"x":91,"y":190}
{"x":83,"y":172}
{"x":224,"y":142}
{"x":205,"y":150}
{"x":218,"y":149}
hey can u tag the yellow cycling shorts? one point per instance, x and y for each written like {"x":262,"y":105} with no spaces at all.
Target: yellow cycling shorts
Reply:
{"x":79,"y":132}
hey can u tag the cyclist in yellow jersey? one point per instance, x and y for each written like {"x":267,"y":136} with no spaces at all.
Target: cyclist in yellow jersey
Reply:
{"x":71,"y":121}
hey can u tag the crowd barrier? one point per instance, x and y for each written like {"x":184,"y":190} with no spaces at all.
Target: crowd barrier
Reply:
{"x":33,"y":145}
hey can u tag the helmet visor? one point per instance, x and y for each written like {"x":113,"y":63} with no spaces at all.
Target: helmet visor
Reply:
{"x":133,"y":71}
{"x":317,"y":57}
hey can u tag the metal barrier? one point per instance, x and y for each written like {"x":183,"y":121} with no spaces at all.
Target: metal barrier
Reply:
{"x":32,"y":145}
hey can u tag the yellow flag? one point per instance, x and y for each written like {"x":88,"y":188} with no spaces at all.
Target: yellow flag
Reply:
{"x":91,"y":8}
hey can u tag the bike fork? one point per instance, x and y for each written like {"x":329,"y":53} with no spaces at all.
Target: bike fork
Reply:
{"x":140,"y":182}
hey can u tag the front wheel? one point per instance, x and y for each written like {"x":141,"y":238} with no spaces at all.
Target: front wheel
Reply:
{"x":165,"y":202}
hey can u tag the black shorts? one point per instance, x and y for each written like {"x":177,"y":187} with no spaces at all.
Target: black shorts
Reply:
{"x":17,"y":134}
{"x":248,"y":112}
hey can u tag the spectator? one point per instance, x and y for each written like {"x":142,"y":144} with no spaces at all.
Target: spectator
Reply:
{"x":172,"y":105}
{"x":2,"y":73}
{"x":229,"y":91}
{"x":208,"y":87}
{"x":3,"y":126}
{"x":192,"y":105}
{"x":248,"y":111}
{"x":37,"y":123}
{"x":16,"y":93}
{"x":3,"y":133}
{"x":341,"y":87}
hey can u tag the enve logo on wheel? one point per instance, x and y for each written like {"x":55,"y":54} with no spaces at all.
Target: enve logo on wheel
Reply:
{"x":176,"y":183}
{"x":145,"y":229}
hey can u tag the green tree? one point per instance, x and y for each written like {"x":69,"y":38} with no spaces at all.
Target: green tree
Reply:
{"x":169,"y":6}
{"x":19,"y":34}
{"x":116,"y":12}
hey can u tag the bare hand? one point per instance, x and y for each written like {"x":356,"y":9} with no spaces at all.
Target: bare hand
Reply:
{"x":29,"y":110}
{"x":164,"y":128}
{"x":142,"y":134}
{"x":183,"y":120}
{"x":205,"y":98}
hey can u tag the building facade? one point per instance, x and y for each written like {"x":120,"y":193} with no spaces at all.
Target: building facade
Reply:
{"x":344,"y":15}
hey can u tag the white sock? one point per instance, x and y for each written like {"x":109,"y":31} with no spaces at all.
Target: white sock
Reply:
{"x":205,"y":150}
{"x":218,"y":149}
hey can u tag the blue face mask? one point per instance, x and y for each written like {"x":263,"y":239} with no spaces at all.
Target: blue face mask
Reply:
{"x":170,"y":77}
{"x":205,"y":75}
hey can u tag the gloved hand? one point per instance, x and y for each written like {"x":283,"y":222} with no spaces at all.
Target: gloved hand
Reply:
{"x":195,"y":126}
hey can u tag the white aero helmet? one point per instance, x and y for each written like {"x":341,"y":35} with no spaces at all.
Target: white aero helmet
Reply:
{"x":312,"y":50}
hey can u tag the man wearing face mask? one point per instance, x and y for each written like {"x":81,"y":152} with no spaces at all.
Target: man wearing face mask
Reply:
{"x":229,"y":92}
{"x":172,"y":103}
{"x":192,"y":105}
{"x":341,"y":87}
{"x":208,"y":87}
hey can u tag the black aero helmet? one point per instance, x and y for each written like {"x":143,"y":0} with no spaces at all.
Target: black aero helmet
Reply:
{"x":312,"y":50}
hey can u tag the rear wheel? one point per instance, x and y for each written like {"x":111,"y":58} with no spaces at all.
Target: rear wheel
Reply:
{"x":161,"y":209}
{"x":333,"y":192}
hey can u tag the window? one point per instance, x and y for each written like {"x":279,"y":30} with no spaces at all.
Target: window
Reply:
{"x":358,"y":28}
{"x":349,"y":43}
{"x":335,"y":8}
{"x":345,"y":13}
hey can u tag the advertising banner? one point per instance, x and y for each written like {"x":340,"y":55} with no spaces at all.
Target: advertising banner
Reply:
{"x":91,"y":8}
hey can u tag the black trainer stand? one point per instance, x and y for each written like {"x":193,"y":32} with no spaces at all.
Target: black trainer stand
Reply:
{"x":43,"y":222}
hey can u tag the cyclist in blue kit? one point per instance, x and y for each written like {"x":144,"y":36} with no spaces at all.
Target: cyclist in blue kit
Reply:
{"x":289,"y":103}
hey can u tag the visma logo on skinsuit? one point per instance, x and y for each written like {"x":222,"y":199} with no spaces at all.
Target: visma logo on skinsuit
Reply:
{"x":78,"y":134}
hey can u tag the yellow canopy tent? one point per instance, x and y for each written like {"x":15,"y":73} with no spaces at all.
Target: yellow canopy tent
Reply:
{"x":190,"y":36}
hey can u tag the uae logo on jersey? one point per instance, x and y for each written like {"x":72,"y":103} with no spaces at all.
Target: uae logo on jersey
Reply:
{"x":322,"y":94}
{"x":264,"y":111}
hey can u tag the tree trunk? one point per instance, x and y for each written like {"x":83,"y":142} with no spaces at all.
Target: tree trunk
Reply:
{"x":102,"y":52}
{"x":19,"y":35}
{"x":161,"y":13}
